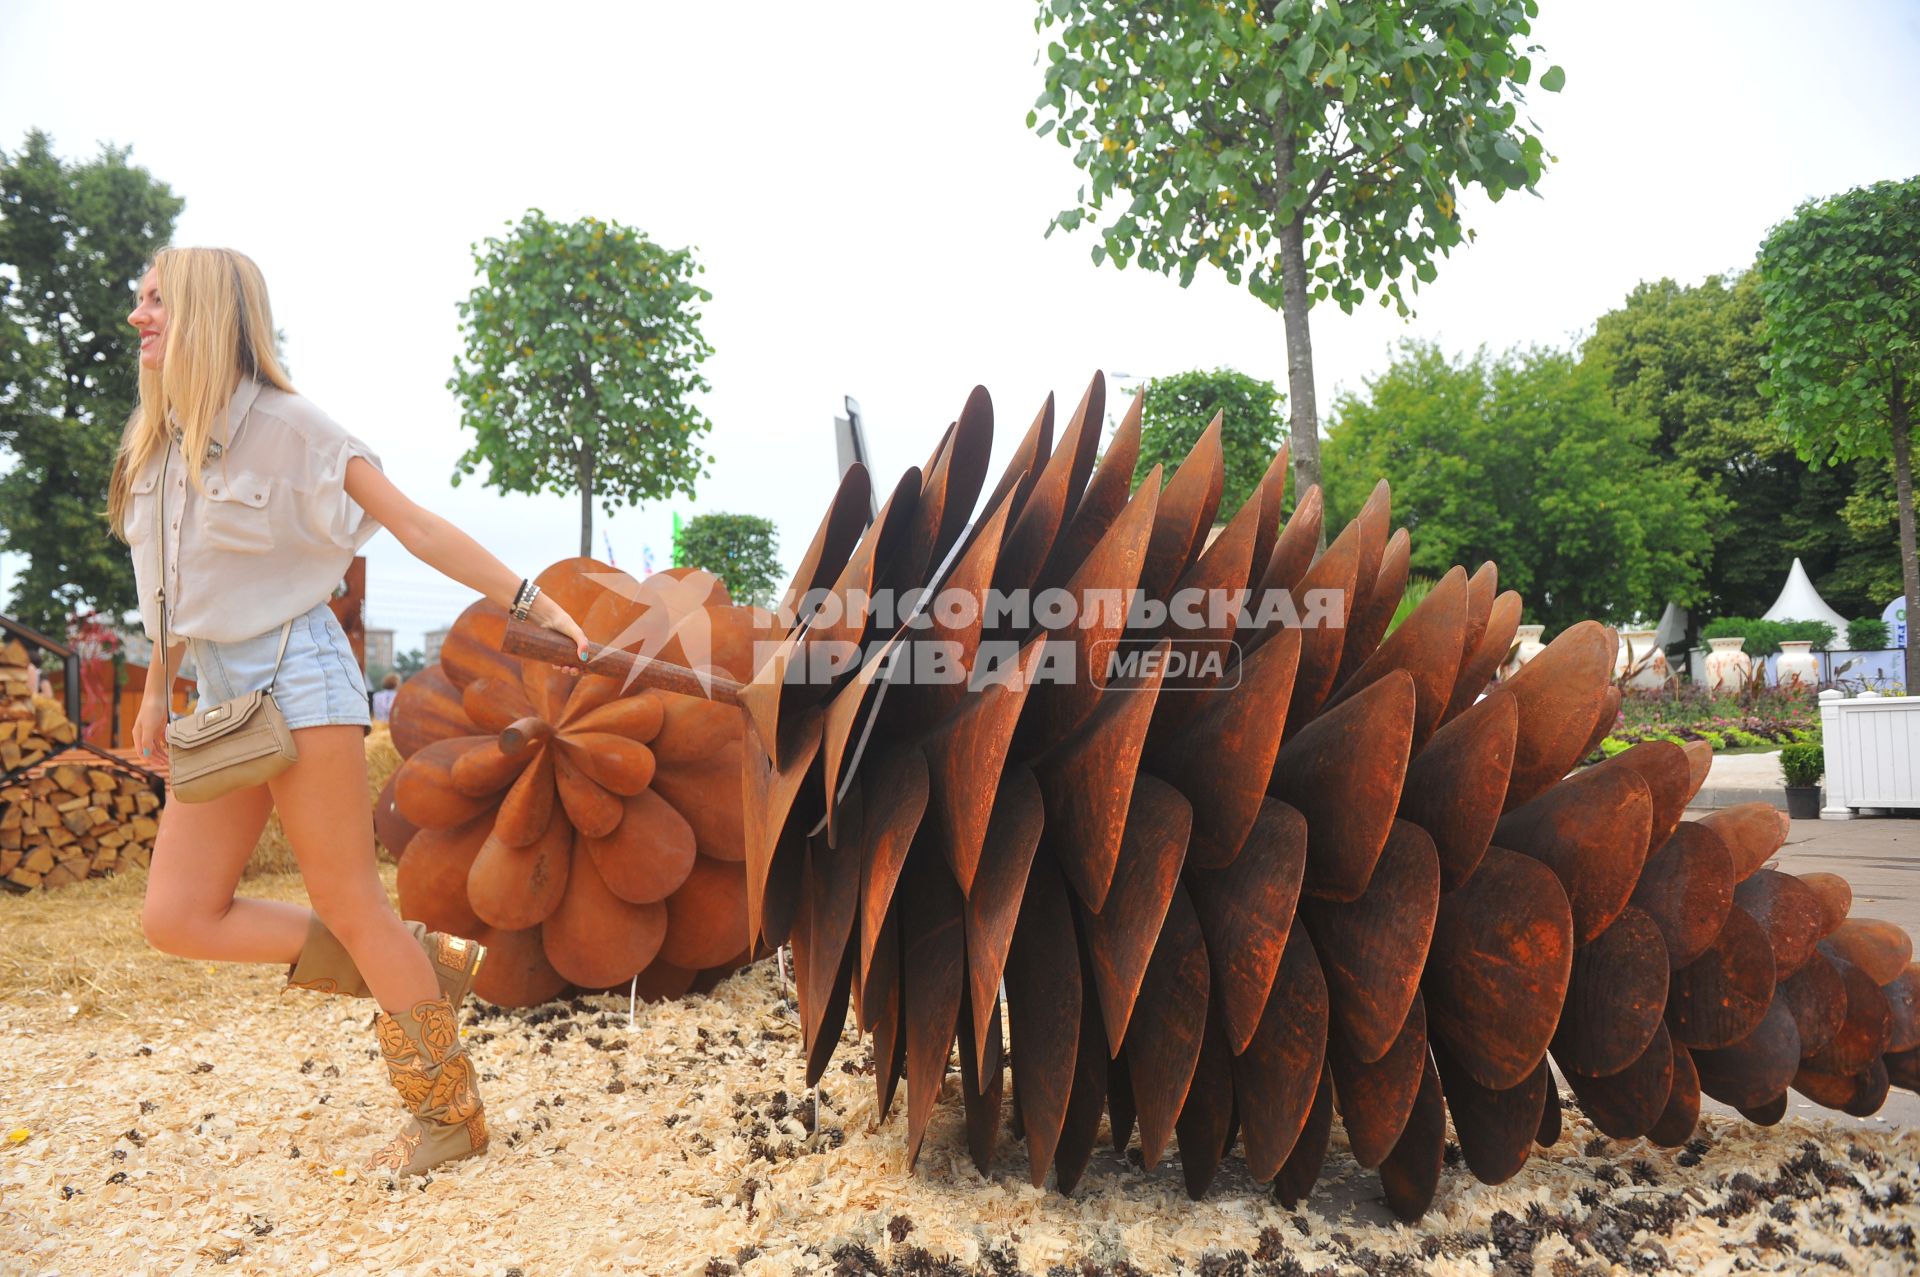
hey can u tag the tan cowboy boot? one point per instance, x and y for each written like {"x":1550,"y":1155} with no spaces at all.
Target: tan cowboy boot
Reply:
{"x":431,"y":1070}
{"x":325,"y":966}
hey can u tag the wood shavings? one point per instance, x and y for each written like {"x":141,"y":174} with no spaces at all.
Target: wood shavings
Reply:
{"x":712,"y":1156}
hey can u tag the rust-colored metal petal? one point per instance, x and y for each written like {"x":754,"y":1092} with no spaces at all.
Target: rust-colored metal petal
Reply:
{"x":1428,"y":646}
{"x":1123,"y":936}
{"x":1207,"y":1115}
{"x":471,"y":648}
{"x":1628,"y":1104}
{"x":1836,"y":899}
{"x":1497,"y":975}
{"x":1411,"y":1173}
{"x":432,"y":878}
{"x":514,"y":888}
{"x":896,"y":789}
{"x":1368,"y":624}
{"x":1753,"y":832}
{"x":1604,"y":721}
{"x":1750,"y":1073}
{"x":423,"y":788}
{"x":1496,"y":1129}
{"x":1687,"y":889}
{"x":1276,"y":1078}
{"x":649,"y":853}
{"x":1590,"y":829}
{"x":1105,"y":495}
{"x":427,"y":708}
{"x":1302,"y":1167}
{"x":1722,"y":995}
{"x":830,"y":888}
{"x":1272,"y":491}
{"x":1880,"y":949}
{"x":1222,"y":759}
{"x":1373,"y":950}
{"x":967,"y":753}
{"x":1816,"y":996}
{"x":1550,"y":1124}
{"x":934,"y":975}
{"x":1903,"y":1001}
{"x":1456,"y":786}
{"x":1682,"y":1111}
{"x":706,"y":794}
{"x":1092,"y":1082}
{"x":1163,"y":1044}
{"x":1185,"y":512}
{"x":1375,"y":1097}
{"x":1343,"y":773}
{"x":516,"y":972}
{"x":1491,"y":621}
{"x":1092,"y":782}
{"x":1864,"y":1034}
{"x":590,"y":808}
{"x":491,"y":703}
{"x":1615,"y":998}
{"x":593,"y":937}
{"x":839,"y":531}
{"x":707,"y":916}
{"x":993,"y":907}
{"x":1664,"y":767}
{"x":982,"y":1087}
{"x":1332,"y":579}
{"x":1560,"y":692}
{"x":1246,"y":911}
{"x":770,"y":793}
{"x":1788,"y":911}
{"x":1043,"y":1005}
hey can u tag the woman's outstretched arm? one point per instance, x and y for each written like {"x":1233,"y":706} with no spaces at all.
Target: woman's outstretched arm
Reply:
{"x":444,"y":547}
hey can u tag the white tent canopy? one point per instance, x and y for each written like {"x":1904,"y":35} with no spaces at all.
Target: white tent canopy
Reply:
{"x":1799,"y":601}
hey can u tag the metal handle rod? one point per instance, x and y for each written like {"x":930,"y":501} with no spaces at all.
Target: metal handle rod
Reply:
{"x":524,"y":638}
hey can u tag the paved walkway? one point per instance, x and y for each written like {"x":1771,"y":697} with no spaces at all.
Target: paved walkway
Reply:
{"x":1880,"y":857}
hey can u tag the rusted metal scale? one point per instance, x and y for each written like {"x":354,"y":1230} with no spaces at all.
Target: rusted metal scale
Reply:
{"x":1335,"y":873}
{"x":586,"y":831}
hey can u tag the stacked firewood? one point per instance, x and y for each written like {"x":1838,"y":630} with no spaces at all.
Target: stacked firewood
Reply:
{"x":61,"y":818}
{"x":31,"y":727}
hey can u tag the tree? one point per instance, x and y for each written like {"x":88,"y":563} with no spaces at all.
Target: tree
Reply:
{"x":1840,"y":283}
{"x":743,"y":550}
{"x":409,"y":663}
{"x":74,"y":239}
{"x":1176,"y":412}
{"x":1526,"y":460}
{"x":1689,"y":359}
{"x":582,"y":355}
{"x":1314,"y":149}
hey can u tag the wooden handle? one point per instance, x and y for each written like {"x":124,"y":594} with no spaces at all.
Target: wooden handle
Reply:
{"x":524,"y":638}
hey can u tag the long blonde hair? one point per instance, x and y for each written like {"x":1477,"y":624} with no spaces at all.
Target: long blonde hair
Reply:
{"x":219,"y":330}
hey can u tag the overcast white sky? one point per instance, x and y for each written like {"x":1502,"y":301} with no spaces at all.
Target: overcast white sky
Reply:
{"x":859,"y":182}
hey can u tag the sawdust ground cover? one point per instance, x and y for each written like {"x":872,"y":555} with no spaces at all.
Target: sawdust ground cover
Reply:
{"x":160,"y":1115}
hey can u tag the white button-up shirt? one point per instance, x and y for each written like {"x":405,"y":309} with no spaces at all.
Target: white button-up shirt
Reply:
{"x":273,"y":534}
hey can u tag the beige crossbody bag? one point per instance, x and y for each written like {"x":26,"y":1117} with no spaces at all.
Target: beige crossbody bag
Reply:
{"x":220,"y":748}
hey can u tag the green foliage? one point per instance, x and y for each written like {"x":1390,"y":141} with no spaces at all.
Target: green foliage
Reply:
{"x":1764,"y":637}
{"x":409,"y":663}
{"x":581,"y":361}
{"x":1204,"y":129}
{"x":1840,"y":283}
{"x":1803,"y":763}
{"x":1418,"y":587}
{"x":1688,"y":358}
{"x":1176,"y":412}
{"x":1868,"y":634}
{"x":74,"y":239}
{"x":1525,"y":459}
{"x":741,"y":549}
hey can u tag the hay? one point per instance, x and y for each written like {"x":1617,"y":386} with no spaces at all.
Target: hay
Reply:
{"x":274,"y":854}
{"x":189,"y":1114}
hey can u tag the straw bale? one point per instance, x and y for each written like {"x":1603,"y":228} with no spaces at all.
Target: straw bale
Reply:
{"x":185,"y":1116}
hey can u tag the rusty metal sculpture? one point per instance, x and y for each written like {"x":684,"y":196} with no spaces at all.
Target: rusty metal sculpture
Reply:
{"x":586,"y":831}
{"x":1225,"y":903}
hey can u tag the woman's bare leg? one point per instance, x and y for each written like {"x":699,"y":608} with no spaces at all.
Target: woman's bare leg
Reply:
{"x":198,"y":856}
{"x":322,"y":800}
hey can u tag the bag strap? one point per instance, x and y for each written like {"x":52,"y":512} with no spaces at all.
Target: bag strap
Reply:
{"x":160,"y":594}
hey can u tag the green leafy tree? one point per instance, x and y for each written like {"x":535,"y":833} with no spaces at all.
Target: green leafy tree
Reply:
{"x":409,"y":663}
{"x":1526,"y":460}
{"x":1840,"y":282}
{"x":1689,"y":359}
{"x":581,"y":362}
{"x":1312,"y":150}
{"x":1177,"y":410}
{"x":743,"y":550}
{"x":74,"y":238}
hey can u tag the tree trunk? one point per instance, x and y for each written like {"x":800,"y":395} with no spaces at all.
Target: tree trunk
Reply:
{"x":1303,"y":410}
{"x":585,"y":462}
{"x":1909,"y":562}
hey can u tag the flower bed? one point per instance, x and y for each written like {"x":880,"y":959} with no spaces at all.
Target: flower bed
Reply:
{"x":1760,"y":718}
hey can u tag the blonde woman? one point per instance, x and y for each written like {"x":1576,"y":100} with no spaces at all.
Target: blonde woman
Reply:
{"x":248,"y":511}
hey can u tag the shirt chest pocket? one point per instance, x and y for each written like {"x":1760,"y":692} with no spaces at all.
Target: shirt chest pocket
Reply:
{"x":235,"y":516}
{"x":140,"y":506}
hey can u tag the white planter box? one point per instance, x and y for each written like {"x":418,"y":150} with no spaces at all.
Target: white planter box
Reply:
{"x":1872,"y":748}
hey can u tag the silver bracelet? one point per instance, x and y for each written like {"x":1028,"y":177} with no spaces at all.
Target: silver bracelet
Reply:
{"x":524,"y":604}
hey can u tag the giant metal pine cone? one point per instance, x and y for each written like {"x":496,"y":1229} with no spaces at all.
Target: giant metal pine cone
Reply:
{"x":1335,"y":877}
{"x":584,"y":832}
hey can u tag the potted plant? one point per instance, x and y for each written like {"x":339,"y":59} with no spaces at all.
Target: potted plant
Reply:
{"x":1802,"y":764}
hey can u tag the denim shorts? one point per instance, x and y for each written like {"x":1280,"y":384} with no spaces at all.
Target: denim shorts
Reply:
{"x":319,"y":682}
